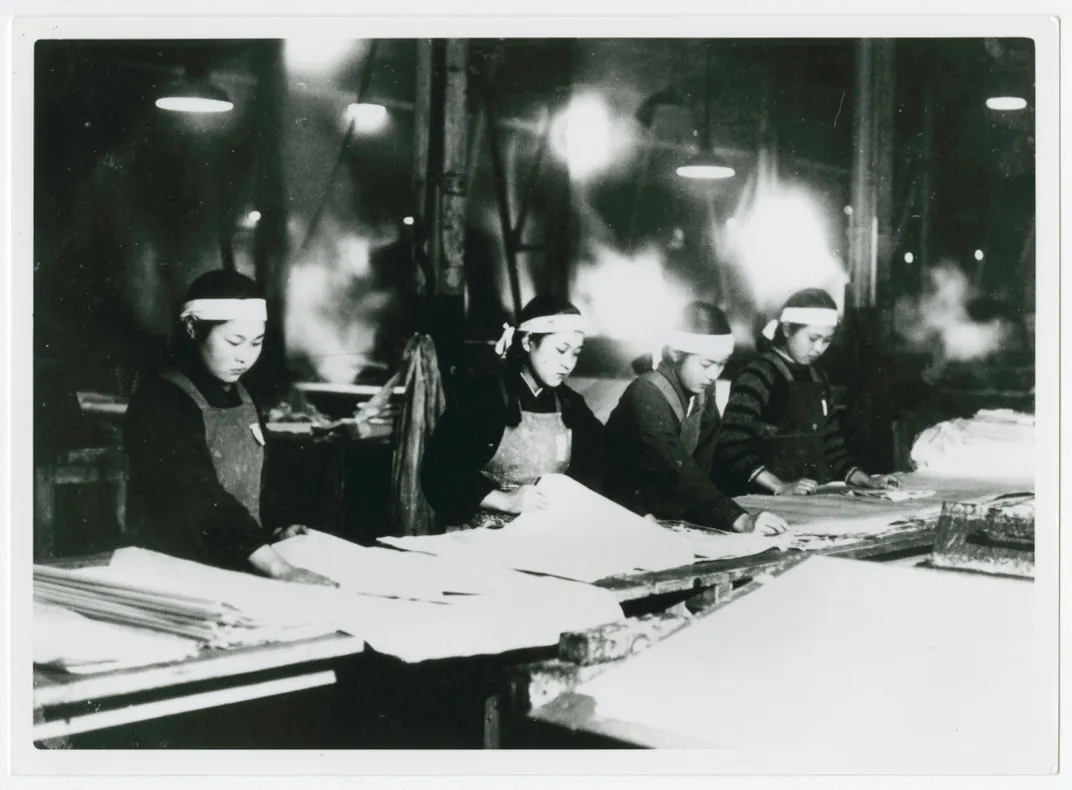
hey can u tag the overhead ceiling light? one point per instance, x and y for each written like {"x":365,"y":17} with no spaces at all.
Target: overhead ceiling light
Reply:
{"x":706,"y":165}
{"x":194,"y":93}
{"x":1006,"y":103}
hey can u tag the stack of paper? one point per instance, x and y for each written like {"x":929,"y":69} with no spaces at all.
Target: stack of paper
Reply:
{"x":215,"y":607}
{"x":77,"y":644}
{"x":992,"y":444}
{"x":580,"y":536}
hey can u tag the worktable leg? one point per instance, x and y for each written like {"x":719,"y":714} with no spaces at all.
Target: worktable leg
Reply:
{"x":44,"y":514}
{"x":493,"y":720}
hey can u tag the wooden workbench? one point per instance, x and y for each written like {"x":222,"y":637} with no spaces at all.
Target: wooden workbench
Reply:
{"x":66,"y":704}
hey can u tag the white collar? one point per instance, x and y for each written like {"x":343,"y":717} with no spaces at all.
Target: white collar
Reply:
{"x":528,"y":379}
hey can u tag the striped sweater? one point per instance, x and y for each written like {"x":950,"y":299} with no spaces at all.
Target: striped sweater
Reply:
{"x":759,"y":395}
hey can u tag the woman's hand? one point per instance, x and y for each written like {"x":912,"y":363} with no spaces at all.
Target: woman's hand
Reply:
{"x":291,"y":532}
{"x":882,"y":482}
{"x":302,"y":576}
{"x":271,"y":563}
{"x":763,"y":523}
{"x":802,"y":487}
{"x":526,"y":499}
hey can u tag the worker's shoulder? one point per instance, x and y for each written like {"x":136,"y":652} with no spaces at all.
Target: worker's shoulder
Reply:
{"x":761,"y":366}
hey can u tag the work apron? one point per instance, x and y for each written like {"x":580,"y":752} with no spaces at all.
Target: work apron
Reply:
{"x":235,"y":442}
{"x":539,"y":445}
{"x":656,"y":497}
{"x":793,"y":448}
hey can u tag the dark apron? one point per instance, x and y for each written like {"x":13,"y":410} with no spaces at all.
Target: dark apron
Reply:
{"x":539,"y":445}
{"x":793,"y":448}
{"x":661,"y":497}
{"x":235,"y":442}
{"x":691,"y":423}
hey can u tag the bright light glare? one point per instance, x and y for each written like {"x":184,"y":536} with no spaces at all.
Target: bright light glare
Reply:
{"x":317,"y":55}
{"x":1006,"y":103}
{"x":407,"y":220}
{"x":780,"y":244}
{"x":581,"y":136}
{"x":195,"y":104}
{"x":254,"y":217}
{"x":706,"y":172}
{"x":848,"y":211}
{"x":628,"y":298}
{"x":978,"y":255}
{"x":366,"y":117}
{"x":909,"y":257}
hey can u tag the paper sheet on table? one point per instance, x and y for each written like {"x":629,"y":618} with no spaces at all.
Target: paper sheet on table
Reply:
{"x":891,"y":495}
{"x":581,"y":536}
{"x":845,"y":655}
{"x":392,"y":573}
{"x":69,"y":641}
{"x":488,"y":625}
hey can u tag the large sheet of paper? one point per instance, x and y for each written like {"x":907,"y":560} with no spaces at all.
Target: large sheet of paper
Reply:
{"x":419,"y":607}
{"x":580,"y":536}
{"x":846,"y":655}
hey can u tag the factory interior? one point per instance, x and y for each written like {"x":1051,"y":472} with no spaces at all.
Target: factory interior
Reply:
{"x":400,"y":206}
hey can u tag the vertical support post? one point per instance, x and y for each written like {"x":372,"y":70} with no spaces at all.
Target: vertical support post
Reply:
{"x":454,"y":190}
{"x":927,"y":161}
{"x":270,"y":240}
{"x":869,"y":253}
{"x":423,"y":214}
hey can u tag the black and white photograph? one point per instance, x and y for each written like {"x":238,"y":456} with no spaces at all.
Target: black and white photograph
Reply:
{"x":505,"y":393}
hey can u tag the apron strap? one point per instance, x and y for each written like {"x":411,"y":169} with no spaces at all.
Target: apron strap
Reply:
{"x":783,"y":368}
{"x":243,"y":394}
{"x":667,"y":389}
{"x":182,"y":381}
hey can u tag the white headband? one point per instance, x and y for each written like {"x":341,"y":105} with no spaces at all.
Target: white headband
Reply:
{"x":544,"y":324}
{"x":805,"y":316}
{"x":709,"y":346}
{"x":225,"y":309}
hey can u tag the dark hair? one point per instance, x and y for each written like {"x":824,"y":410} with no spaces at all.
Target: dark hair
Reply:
{"x":538,"y":307}
{"x":215,"y":284}
{"x":809,"y":297}
{"x":699,"y":318}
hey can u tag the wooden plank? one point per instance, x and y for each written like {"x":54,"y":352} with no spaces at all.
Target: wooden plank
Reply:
{"x":618,"y":640}
{"x":53,"y":688}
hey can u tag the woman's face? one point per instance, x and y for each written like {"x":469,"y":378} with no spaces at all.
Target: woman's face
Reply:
{"x":808,"y":343}
{"x":697,"y":372}
{"x":552,"y":357}
{"x":231,"y":348}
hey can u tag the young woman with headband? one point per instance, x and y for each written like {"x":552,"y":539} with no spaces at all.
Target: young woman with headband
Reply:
{"x":661,"y":436}
{"x":779,"y":433}
{"x":195,"y":439}
{"x":501,"y":432}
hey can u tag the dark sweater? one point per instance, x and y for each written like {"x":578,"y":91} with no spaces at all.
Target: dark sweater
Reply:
{"x":176,"y":501}
{"x":650,"y":468}
{"x":760,"y":396}
{"x":471,"y":428}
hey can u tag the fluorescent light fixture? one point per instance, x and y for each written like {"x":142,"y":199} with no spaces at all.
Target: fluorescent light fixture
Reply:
{"x":194,"y":96}
{"x":1006,"y":103}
